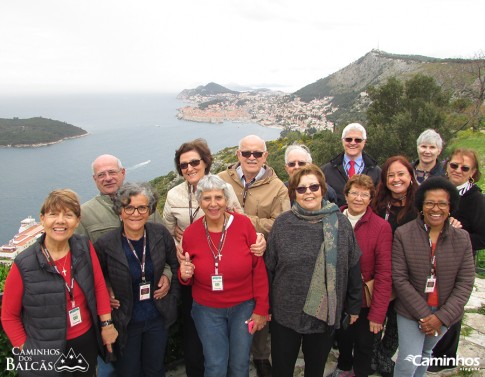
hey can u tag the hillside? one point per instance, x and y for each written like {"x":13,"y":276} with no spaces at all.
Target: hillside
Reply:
{"x":35,"y":131}
{"x":210,"y":89}
{"x":347,"y":86}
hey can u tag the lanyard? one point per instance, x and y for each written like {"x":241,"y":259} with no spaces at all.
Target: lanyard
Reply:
{"x":142,"y":263}
{"x":194,"y":214}
{"x":216,"y":253}
{"x":70,"y":289}
{"x":432,"y":251}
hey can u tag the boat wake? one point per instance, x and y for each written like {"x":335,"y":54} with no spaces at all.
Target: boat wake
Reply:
{"x":141,"y":164}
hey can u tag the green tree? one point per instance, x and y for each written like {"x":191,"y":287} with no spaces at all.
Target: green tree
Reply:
{"x":399,"y":112}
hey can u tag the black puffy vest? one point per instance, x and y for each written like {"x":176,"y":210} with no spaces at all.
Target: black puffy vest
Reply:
{"x":44,"y":304}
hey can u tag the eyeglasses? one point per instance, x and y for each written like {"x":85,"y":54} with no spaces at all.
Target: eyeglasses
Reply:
{"x":107,"y":173}
{"x":130,"y":210}
{"x":247,"y":154}
{"x":193,"y":163}
{"x":302,"y":189}
{"x":350,"y":139}
{"x":293,"y":164}
{"x":356,"y":194}
{"x":463,"y":168}
{"x":430,"y":205}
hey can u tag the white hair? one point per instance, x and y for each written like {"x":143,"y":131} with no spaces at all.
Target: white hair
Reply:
{"x":254,"y":137}
{"x":298,"y":147}
{"x":432,"y":137}
{"x":354,"y":127}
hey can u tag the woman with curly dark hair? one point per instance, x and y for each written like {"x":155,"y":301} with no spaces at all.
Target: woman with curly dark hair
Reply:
{"x":432,"y":274}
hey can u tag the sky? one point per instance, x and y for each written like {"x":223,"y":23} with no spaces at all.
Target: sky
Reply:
{"x":165,"y":46}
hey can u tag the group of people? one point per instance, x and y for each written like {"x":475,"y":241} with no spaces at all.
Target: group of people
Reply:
{"x":313,"y":260}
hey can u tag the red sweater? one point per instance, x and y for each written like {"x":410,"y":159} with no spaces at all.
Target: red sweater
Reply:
{"x":244,"y":274}
{"x":14,"y":290}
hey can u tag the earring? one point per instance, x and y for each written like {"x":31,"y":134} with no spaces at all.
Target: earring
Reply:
{"x":471,"y":180}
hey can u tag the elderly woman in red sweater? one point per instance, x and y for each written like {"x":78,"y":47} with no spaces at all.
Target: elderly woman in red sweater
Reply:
{"x":374,"y":237}
{"x":230,"y":283}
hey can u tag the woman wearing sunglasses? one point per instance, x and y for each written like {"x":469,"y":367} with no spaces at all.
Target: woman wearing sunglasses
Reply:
{"x":193,"y":161}
{"x":313,"y":266}
{"x":133,"y":258}
{"x":462,"y":169}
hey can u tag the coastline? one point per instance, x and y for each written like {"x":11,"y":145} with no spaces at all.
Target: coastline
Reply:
{"x":43,"y":144}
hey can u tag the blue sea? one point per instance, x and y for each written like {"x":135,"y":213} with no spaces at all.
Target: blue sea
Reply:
{"x":141,"y":129}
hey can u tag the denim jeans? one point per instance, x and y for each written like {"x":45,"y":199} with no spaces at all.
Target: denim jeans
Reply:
{"x":414,"y":347}
{"x":105,"y":369}
{"x":144,"y":353}
{"x":225,"y":338}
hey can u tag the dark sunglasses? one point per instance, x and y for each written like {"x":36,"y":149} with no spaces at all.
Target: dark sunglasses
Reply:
{"x":350,"y":139}
{"x":302,"y":189}
{"x":455,"y":166}
{"x":247,"y":154}
{"x":193,"y":163}
{"x":293,"y":164}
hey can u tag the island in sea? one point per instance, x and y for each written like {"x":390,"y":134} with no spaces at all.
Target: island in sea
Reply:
{"x":34,"y":132}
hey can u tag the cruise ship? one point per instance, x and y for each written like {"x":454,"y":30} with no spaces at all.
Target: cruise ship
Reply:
{"x":29,"y":232}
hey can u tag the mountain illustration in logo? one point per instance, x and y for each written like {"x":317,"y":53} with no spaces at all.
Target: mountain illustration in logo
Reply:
{"x":71,"y":363}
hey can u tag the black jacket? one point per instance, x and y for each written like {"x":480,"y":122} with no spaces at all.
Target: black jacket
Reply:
{"x":117,"y":274}
{"x":336,"y":176}
{"x":437,"y":171}
{"x":44,"y":313}
{"x":471,"y":213}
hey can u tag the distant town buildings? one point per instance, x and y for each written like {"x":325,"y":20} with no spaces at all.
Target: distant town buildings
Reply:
{"x":267,"y":108}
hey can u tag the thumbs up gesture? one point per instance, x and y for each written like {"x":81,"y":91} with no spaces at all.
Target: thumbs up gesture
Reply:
{"x":186,"y":267}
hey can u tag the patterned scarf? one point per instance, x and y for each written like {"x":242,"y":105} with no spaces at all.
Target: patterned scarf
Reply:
{"x":462,"y":189}
{"x":321,"y":300}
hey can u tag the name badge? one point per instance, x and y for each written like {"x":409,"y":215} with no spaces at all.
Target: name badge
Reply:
{"x":217,"y":283}
{"x":430,"y":284}
{"x":75,"y":316}
{"x":145,"y":291}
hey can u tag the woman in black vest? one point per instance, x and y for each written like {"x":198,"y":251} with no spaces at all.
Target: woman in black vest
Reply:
{"x":55,"y":298}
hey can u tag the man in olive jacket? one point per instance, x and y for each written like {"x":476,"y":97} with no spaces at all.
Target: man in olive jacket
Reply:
{"x":98,"y":218}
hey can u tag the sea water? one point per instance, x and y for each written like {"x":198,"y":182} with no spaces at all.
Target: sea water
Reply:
{"x":141,"y":129}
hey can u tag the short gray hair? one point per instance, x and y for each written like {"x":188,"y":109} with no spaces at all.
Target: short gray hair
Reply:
{"x":354,"y":127}
{"x":298,"y":147}
{"x":129,"y":189}
{"x":211,"y":182}
{"x":432,"y":137}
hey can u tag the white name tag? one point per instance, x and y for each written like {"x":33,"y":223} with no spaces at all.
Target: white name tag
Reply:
{"x":144,"y":291}
{"x":75,"y":316}
{"x":217,"y":283}
{"x":430,"y":284}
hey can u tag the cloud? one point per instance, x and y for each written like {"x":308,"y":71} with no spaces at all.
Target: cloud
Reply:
{"x":150,"y":45}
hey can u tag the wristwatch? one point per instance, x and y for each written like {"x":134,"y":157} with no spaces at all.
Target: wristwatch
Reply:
{"x":106,"y":323}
